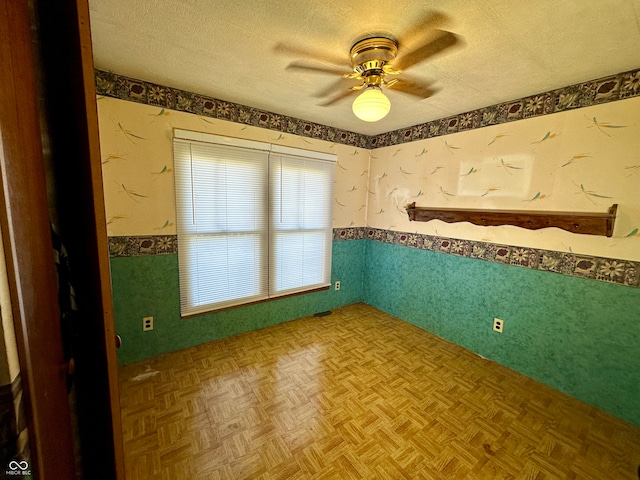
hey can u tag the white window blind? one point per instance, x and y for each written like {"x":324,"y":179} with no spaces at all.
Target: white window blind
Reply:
{"x":254,"y":220}
{"x":301,"y":221}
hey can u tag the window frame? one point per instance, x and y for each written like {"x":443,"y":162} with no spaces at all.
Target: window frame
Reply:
{"x":310,"y":160}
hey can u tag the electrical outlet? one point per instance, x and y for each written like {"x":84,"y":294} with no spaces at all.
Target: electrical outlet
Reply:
{"x":498,"y":325}
{"x":338,"y":285}
{"x":147,"y":324}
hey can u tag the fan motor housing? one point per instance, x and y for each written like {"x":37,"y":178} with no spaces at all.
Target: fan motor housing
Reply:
{"x":369,"y":55}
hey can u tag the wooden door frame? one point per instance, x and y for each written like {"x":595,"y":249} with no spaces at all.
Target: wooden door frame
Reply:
{"x":28,"y":251}
{"x":66,"y":73}
{"x":72,"y":113}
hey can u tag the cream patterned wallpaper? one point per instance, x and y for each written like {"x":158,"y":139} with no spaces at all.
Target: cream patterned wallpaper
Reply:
{"x":137,"y":165}
{"x":579,"y":160}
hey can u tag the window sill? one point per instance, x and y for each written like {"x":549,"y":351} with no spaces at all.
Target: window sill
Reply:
{"x":222,"y":309}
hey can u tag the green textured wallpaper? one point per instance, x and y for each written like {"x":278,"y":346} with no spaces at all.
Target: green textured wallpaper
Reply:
{"x":148,"y":286}
{"x":579,"y":336}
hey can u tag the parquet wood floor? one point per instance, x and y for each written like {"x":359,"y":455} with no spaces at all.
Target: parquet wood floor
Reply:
{"x":358,"y":394}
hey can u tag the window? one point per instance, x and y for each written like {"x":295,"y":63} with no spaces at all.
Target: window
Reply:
{"x":254,"y":220}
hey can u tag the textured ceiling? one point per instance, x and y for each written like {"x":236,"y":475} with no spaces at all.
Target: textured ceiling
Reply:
{"x":229,"y":49}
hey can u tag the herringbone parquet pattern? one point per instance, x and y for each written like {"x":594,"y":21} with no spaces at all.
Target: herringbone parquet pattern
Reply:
{"x":358,"y":394}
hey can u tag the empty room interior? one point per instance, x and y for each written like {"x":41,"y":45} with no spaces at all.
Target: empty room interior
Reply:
{"x":470,"y":307}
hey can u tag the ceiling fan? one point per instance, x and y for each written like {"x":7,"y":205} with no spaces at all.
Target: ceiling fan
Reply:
{"x":375,"y":64}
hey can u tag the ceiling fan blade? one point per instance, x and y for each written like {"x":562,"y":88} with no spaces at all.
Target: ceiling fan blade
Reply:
{"x":318,"y":68}
{"x":442,"y":41}
{"x":320,"y":56}
{"x":411,"y":87}
{"x":389,"y":70}
{"x":428,"y":22}
{"x":337,"y":98}
{"x":339,"y":85}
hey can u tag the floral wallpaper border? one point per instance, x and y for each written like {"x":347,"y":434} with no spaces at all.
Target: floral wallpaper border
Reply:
{"x":608,"y":89}
{"x":137,"y":246}
{"x":622,"y":272}
{"x":126,"y":88}
{"x":603,"y":90}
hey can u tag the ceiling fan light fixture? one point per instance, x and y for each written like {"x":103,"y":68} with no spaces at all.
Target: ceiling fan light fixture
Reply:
{"x":371,"y":105}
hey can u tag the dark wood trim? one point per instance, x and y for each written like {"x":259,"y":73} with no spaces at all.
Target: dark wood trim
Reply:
{"x":28,"y":250}
{"x":68,"y":72}
{"x":575,"y":222}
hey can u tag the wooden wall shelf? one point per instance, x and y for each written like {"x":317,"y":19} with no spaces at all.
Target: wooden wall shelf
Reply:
{"x":575,"y":222}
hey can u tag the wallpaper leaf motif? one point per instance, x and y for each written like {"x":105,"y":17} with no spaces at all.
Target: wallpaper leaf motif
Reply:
{"x":575,"y":158}
{"x":508,"y":166}
{"x":451,"y":148}
{"x":490,"y":190}
{"x":206,"y":121}
{"x":497,"y":137}
{"x":115,"y":218}
{"x":444,"y":193}
{"x":164,"y":170}
{"x":548,"y":136}
{"x":403,"y":171}
{"x":111,"y":157}
{"x":601,"y":125}
{"x":133,"y":195}
{"x":589,"y":193}
{"x":635,"y":233}
{"x":567,"y":247}
{"x":166,"y":224}
{"x":537,"y":196}
{"x":633,"y":169}
{"x":423,"y":152}
{"x":161,"y":113}
{"x":472,"y":170}
{"x":129,"y":135}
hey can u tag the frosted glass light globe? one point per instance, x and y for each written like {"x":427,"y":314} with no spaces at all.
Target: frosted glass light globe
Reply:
{"x":371,"y":105}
